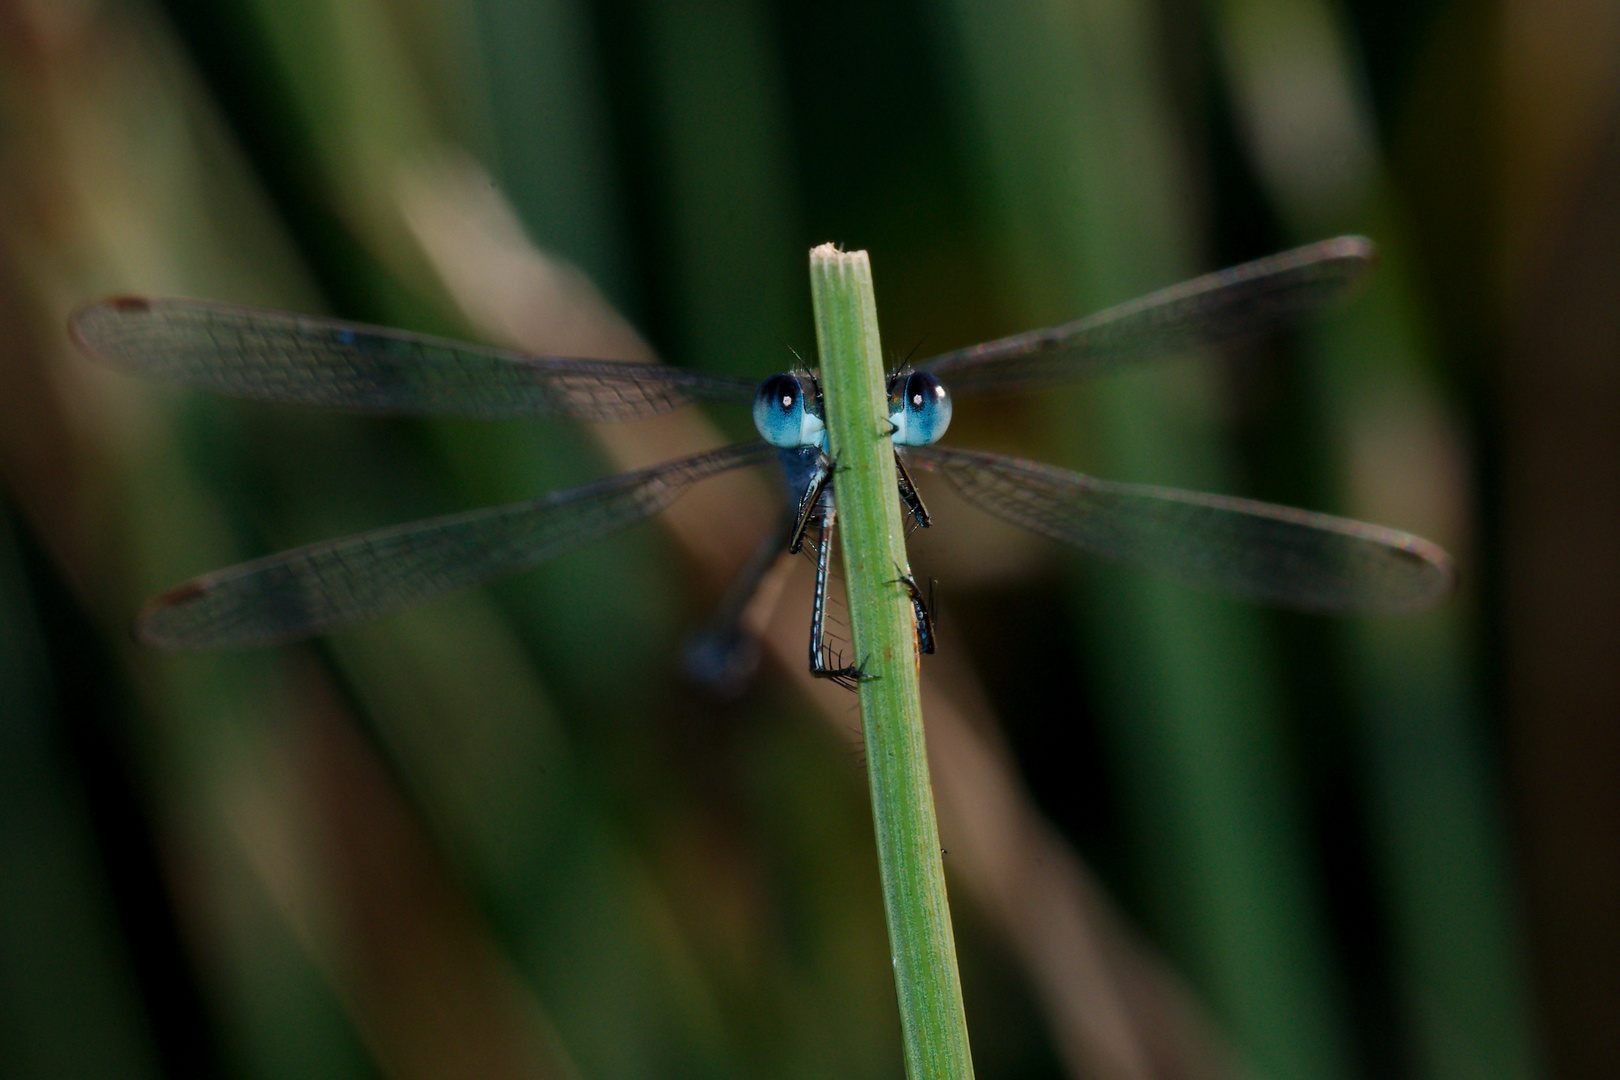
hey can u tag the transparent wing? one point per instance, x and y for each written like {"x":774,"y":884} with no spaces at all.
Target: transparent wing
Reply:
{"x":1207,"y":310}
{"x":1276,"y":554}
{"x":311,"y":589}
{"x":307,"y":360}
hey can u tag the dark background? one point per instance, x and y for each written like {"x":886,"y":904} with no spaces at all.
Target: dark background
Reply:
{"x":499,"y":835}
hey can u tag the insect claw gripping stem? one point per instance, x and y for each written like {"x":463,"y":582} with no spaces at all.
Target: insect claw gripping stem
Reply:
{"x":830,"y":665}
{"x":846,"y":676}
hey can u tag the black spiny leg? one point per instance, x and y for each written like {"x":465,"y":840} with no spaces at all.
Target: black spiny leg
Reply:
{"x":811,"y":498}
{"x":821,"y":662}
{"x":920,"y":611}
{"x":908,"y":494}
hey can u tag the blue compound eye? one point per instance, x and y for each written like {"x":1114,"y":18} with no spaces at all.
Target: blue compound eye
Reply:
{"x":919,"y":409}
{"x":782,"y":413}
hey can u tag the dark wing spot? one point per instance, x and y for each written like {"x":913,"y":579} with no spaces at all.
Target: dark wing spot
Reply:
{"x":175,"y":597}
{"x":180,"y":594}
{"x":1407,"y":554}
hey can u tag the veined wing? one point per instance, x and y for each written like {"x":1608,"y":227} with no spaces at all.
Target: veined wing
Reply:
{"x":309,"y":360}
{"x":1207,"y":310}
{"x":1276,"y":554}
{"x":311,"y":589}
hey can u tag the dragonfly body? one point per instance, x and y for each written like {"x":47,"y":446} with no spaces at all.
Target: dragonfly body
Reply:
{"x":788,"y":413}
{"x":1273,"y":554}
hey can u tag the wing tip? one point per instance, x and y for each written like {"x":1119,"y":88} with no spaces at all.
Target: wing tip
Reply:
{"x":147,"y":626}
{"x":1345,"y":263}
{"x":1443,"y":577}
{"x":83,"y":321}
{"x":1352,"y":246}
{"x":1348,"y":259}
{"x":1428,"y":577}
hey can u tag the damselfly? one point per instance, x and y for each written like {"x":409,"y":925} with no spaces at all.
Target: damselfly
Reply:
{"x":1294,"y":558}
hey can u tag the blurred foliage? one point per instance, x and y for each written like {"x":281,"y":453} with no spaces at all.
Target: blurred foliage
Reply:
{"x":501,"y":836}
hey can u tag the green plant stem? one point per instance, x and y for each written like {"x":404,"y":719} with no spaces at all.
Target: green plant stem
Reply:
{"x":883,"y":636}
